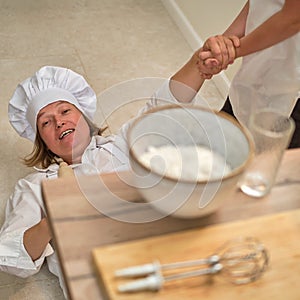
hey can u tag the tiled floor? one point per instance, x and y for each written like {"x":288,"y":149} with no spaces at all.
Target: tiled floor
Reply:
{"x":110,"y":42}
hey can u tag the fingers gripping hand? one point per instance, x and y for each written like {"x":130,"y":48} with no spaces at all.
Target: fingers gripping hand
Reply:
{"x":235,"y":40}
{"x":208,"y":66}
{"x":221,"y":48}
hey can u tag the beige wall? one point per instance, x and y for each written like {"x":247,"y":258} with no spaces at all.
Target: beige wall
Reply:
{"x":211,"y":17}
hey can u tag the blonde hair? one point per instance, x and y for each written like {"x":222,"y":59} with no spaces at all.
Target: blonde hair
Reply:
{"x":43,"y":157}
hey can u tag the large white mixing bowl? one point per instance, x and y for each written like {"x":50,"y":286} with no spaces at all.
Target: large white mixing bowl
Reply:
{"x":181,"y":125}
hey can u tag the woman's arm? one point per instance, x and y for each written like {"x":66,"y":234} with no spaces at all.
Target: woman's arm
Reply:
{"x":36,"y":239}
{"x":219,"y":48}
{"x":280,"y":26}
{"x":238,"y":26}
{"x":186,"y":82}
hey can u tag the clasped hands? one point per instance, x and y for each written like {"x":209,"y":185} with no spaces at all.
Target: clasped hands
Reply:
{"x":216,"y":54}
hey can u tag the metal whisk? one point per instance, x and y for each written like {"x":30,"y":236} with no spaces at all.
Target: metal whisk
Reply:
{"x":241,"y":260}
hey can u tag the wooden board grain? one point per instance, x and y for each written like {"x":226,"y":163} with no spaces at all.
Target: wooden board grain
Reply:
{"x":280,"y":233}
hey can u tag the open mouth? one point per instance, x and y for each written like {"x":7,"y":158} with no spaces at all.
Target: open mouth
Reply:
{"x":65,"y":133}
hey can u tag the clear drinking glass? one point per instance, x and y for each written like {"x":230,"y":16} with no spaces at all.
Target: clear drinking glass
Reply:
{"x":271,"y":132}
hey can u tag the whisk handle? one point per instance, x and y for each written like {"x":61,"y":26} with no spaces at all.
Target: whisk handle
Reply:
{"x":140,"y":270}
{"x":151,"y":283}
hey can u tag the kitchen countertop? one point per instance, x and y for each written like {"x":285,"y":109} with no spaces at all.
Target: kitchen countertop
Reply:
{"x":78,"y":227}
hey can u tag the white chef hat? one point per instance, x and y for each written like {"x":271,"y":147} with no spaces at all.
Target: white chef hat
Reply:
{"x":48,"y":85}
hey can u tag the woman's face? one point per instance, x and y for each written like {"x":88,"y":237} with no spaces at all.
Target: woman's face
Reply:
{"x":64,"y":130}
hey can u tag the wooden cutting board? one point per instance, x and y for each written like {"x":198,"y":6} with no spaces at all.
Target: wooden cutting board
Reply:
{"x":279,"y":233}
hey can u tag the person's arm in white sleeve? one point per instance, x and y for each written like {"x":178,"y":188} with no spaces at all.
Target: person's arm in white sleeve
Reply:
{"x":182,"y":87}
{"x":187,"y":81}
{"x":23,"y":212}
{"x":36,"y":238}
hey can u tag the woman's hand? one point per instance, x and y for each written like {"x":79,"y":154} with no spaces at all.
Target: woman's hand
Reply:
{"x":216,"y":54}
{"x":203,"y":64}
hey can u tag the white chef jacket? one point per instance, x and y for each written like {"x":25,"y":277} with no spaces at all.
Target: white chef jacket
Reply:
{"x":25,"y":206}
{"x":269,"y":78}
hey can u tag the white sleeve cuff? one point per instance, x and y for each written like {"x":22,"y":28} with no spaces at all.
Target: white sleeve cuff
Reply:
{"x":14,"y":254}
{"x":25,"y":261}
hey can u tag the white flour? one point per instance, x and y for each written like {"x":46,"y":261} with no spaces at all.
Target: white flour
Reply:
{"x":185,"y":162}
